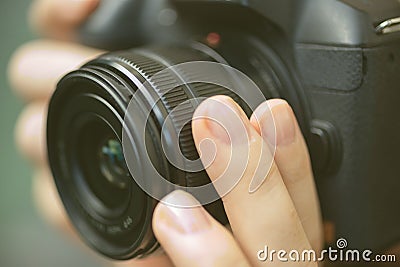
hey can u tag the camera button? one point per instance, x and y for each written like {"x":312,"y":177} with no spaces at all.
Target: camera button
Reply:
{"x":325,"y":147}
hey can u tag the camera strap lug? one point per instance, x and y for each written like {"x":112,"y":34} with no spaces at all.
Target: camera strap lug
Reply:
{"x":388,"y":26}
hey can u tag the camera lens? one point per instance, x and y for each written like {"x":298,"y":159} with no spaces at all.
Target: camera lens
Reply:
{"x":86,"y":119}
{"x":84,"y":132}
{"x":106,"y":187}
{"x":112,"y":163}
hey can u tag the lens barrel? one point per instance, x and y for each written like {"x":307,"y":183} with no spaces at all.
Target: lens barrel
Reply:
{"x":84,"y":135}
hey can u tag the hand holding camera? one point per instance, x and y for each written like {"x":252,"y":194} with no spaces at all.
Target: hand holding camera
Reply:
{"x":175,"y":228}
{"x":111,"y":213}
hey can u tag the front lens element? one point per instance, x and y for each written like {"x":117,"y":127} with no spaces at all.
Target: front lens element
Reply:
{"x":112,"y":163}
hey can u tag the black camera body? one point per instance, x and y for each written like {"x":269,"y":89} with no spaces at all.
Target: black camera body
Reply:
{"x":337,"y":62}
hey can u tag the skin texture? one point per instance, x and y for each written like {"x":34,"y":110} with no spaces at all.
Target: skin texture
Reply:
{"x":283,"y":212}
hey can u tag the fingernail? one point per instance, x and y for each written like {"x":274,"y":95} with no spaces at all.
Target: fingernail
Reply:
{"x":224,"y":119}
{"x":280,"y":130}
{"x":187,"y":219}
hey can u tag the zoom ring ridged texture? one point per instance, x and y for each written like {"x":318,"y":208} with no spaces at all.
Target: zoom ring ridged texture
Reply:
{"x":176,"y":99}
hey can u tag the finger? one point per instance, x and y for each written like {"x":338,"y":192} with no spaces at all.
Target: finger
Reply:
{"x":37,"y":66}
{"x":295,"y":170}
{"x":48,"y":201}
{"x":266,"y":216}
{"x":191,"y":237}
{"x":30,"y":132}
{"x":59,"y":18}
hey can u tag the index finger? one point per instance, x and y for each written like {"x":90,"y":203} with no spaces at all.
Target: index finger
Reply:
{"x":262,"y":217}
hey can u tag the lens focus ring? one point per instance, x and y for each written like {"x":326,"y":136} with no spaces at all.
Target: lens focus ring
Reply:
{"x":176,"y":100}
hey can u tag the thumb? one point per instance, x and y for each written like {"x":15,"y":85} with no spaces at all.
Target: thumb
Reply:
{"x":191,"y":237}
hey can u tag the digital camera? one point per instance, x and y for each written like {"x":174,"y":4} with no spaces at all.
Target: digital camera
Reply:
{"x":337,"y":62}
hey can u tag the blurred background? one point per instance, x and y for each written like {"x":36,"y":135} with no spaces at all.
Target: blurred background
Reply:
{"x":25,"y":239}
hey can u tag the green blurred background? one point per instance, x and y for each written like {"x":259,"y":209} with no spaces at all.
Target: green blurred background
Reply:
{"x":25,"y":239}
